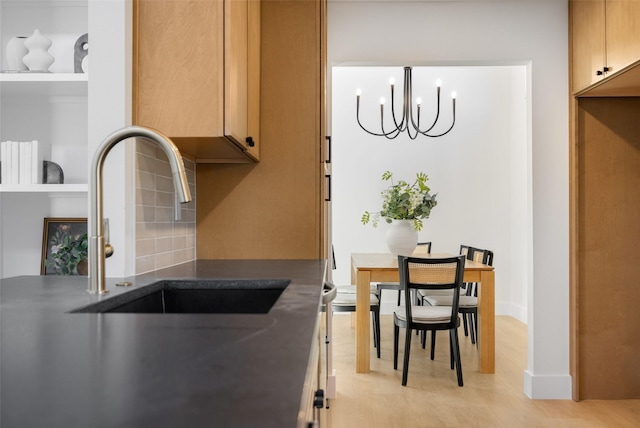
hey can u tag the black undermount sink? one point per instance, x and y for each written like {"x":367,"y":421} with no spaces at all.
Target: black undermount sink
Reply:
{"x":195,"y":297}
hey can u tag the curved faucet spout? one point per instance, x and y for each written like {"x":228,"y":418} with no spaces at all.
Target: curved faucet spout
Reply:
{"x":96,"y":240}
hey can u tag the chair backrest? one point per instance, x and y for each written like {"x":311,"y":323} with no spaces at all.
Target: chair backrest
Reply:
{"x":481,"y":256}
{"x":423,"y":248}
{"x":431,"y":274}
{"x":466,"y":250}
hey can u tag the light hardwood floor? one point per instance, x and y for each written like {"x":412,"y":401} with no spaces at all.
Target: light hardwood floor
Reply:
{"x":432,"y":397}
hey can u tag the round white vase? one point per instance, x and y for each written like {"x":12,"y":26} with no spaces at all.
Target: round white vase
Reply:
{"x":402,"y":238}
{"x":16,"y":50}
{"x":38,"y":59}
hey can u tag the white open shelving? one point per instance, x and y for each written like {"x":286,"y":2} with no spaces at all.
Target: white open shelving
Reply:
{"x":44,"y":188}
{"x":49,"y":107}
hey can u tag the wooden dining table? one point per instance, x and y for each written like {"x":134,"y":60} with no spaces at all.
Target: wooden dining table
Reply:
{"x":368,"y":268}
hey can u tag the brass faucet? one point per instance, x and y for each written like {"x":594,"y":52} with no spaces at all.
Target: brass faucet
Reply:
{"x":96,"y":240}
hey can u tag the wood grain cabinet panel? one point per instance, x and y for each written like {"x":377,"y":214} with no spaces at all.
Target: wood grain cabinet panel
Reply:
{"x":605,"y":38}
{"x":622,"y":33}
{"x":196,"y":75}
{"x":587,"y":34}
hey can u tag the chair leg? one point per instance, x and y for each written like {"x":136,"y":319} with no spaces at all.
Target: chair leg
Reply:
{"x":377,"y":330}
{"x":466,"y":329}
{"x":375,"y":335}
{"x":455,"y":345}
{"x":399,"y":292}
{"x":433,"y":344}
{"x":396,"y":334}
{"x":472,"y":326}
{"x":407,"y":350}
{"x":475,"y":324}
{"x":451,"y":352}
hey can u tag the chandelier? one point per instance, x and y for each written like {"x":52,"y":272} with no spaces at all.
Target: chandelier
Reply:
{"x":407,"y":122}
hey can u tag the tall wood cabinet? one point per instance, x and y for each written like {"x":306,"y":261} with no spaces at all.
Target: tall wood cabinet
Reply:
{"x":604,"y":171}
{"x":605,"y":39}
{"x":197,"y":75}
{"x":274,"y":209}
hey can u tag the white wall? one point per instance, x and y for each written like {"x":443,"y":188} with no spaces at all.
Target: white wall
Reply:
{"x":498,"y":33}
{"x":478,"y":170}
{"x":110,"y":98}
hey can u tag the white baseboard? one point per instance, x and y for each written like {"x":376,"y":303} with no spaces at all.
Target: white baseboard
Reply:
{"x":515,"y":311}
{"x":547,"y":387}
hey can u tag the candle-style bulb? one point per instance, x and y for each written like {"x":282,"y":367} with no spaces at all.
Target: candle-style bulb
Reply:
{"x":358,"y":92}
{"x":438,"y":83}
{"x":382,"y":101}
{"x":418,"y":100}
{"x":453,"y":95}
{"x":392,"y":81}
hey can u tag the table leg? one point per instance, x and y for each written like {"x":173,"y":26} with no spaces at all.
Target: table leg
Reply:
{"x":363,"y":313}
{"x":486,"y":322}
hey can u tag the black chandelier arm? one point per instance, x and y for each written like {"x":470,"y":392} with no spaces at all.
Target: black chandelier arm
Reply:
{"x":417,"y":126}
{"x":393,"y":115}
{"x":391,"y":134}
{"x":383,"y":134}
{"x":450,"y":128}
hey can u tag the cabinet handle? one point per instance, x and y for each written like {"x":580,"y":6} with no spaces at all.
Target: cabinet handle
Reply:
{"x":318,"y":401}
{"x":606,"y":69}
{"x":249,"y":141}
{"x":328,"y":197}
{"x":328,"y":138}
{"x":599,"y":73}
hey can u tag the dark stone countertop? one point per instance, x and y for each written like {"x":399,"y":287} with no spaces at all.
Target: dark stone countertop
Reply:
{"x":61,"y":369}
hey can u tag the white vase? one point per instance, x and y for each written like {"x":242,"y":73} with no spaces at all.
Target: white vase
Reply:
{"x":16,"y":50}
{"x":402,"y":238}
{"x":38,"y":59}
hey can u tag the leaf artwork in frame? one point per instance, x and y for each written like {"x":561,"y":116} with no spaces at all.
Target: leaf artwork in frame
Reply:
{"x":64,"y":246}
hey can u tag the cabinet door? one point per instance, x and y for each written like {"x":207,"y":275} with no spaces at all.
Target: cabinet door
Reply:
{"x":178,"y":83}
{"x":587,"y":42}
{"x":242,"y":73}
{"x":622,"y":33}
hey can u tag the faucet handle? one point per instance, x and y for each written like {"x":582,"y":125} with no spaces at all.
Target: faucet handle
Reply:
{"x":108,"y":249}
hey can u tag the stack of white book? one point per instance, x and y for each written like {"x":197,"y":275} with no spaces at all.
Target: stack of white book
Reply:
{"x":22,"y":161}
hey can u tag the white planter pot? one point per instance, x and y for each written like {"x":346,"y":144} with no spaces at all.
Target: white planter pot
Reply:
{"x":402,"y":238}
{"x":16,"y":50}
{"x":38,"y":59}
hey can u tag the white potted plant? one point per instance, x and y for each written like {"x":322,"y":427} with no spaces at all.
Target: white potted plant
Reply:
{"x":404,"y":206}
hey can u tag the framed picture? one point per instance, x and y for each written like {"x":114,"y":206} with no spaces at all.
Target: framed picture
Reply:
{"x":64,"y":246}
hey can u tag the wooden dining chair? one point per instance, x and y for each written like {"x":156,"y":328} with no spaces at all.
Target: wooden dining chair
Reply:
{"x":345,"y":301}
{"x":421,"y":248}
{"x":468,"y":305}
{"x":428,"y":274}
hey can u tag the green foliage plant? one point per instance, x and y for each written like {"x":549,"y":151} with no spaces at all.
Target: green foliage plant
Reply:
{"x":67,"y":253}
{"x":404,"y":201}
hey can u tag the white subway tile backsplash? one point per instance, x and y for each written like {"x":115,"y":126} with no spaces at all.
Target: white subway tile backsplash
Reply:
{"x":165,"y":199}
{"x":146,"y":180}
{"x":145,"y":247}
{"x":164,"y":184}
{"x":145,"y":197}
{"x":162,"y":241}
{"x":145,"y":213}
{"x":164,"y":214}
{"x":145,"y":264}
{"x":164,"y":245}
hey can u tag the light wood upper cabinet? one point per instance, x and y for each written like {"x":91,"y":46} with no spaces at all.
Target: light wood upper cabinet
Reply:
{"x":197,"y":75}
{"x":587,"y":32}
{"x":605,"y":38}
{"x":622,"y":33}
